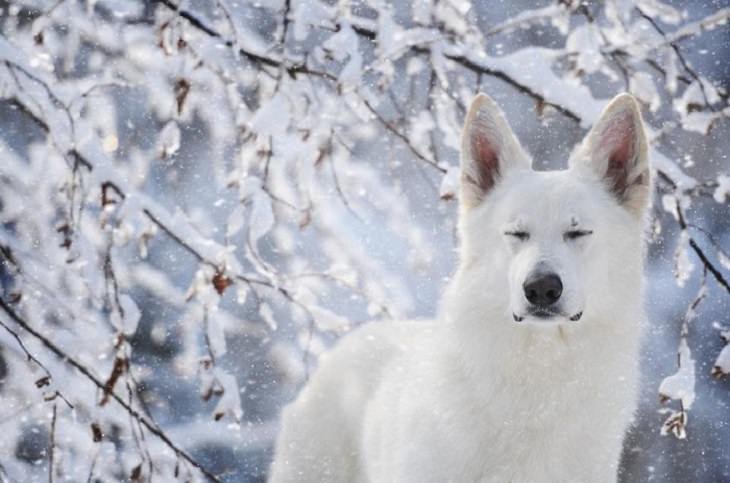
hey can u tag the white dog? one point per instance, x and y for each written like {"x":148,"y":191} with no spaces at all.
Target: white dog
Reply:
{"x":531,"y":372}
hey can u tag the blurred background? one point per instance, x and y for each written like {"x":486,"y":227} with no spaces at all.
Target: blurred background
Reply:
{"x":199,"y":197}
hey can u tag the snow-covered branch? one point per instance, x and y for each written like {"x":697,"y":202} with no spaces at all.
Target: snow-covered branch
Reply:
{"x":196,"y":199}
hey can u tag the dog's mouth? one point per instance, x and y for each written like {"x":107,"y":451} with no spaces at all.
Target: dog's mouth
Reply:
{"x":541,"y":313}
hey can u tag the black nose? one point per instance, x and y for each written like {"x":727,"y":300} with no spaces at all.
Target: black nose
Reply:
{"x":543,"y":289}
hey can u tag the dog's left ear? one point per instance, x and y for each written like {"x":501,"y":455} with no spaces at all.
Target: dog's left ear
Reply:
{"x":616,"y":151}
{"x":489,"y":149}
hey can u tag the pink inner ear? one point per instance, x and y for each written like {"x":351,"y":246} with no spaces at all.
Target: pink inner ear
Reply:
{"x":617,"y":142}
{"x":486,"y":159}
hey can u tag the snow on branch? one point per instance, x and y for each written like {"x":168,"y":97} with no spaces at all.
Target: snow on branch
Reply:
{"x":196,"y":200}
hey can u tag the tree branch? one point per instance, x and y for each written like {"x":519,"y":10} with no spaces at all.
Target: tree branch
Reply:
{"x":682,"y":60}
{"x":70,"y":360}
{"x":709,"y":266}
{"x":258,"y":59}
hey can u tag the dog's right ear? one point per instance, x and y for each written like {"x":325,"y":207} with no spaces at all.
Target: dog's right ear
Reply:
{"x":489,"y":149}
{"x":616,"y":151}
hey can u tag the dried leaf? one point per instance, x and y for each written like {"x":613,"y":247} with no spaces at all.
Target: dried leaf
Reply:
{"x":43,"y":381}
{"x":221,"y":282}
{"x":540,"y":107}
{"x":182,"y":88}
{"x":675,"y":424}
{"x":120,"y":366}
{"x":96,"y":433}
{"x":136,"y":474}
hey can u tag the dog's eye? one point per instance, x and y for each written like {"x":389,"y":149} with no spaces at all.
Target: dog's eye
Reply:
{"x":575,"y":234}
{"x":520,"y":235}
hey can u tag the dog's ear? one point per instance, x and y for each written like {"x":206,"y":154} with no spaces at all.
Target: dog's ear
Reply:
{"x":615,"y":150}
{"x":488,"y":150}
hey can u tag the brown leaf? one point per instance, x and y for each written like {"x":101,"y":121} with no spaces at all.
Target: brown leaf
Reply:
{"x":136,"y":474}
{"x":694,"y":107}
{"x":221,"y":282}
{"x":182,"y":89}
{"x":540,"y":107}
{"x":96,"y":433}
{"x":717,"y":372}
{"x":214,"y":390}
{"x":43,"y":381}
{"x":66,"y":231}
{"x":120,"y":366}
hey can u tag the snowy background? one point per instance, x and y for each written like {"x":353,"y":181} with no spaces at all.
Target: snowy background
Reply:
{"x":199,"y":197}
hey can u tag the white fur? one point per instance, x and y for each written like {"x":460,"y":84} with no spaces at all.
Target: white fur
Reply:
{"x":475,"y":395}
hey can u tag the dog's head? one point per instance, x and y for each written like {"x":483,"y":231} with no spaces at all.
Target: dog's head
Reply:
{"x":556,"y":245}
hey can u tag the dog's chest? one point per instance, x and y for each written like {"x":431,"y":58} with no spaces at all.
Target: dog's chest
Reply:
{"x":528,"y":439}
{"x":524,"y":423}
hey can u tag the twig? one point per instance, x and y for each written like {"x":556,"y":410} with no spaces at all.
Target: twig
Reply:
{"x":681,"y":58}
{"x":65,"y":357}
{"x":53,"y":444}
{"x":30,"y":356}
{"x":292,"y":70}
{"x":393,"y":130}
{"x":484,"y":70}
{"x":285,"y":25}
{"x":709,"y":266}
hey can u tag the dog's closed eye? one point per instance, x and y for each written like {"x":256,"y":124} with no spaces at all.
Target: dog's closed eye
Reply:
{"x":575,"y":234}
{"x":518,"y":234}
